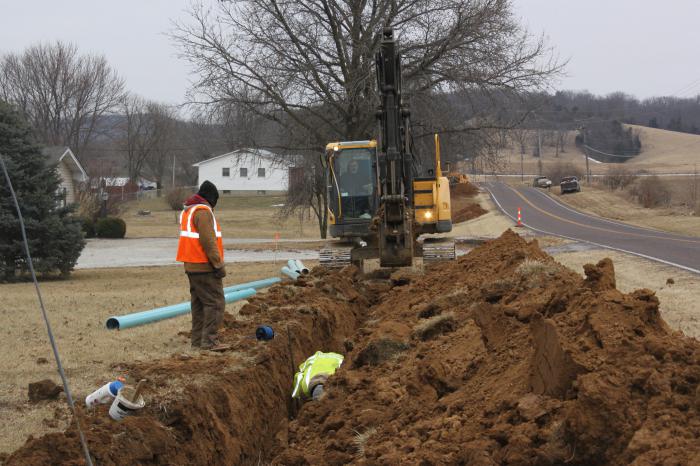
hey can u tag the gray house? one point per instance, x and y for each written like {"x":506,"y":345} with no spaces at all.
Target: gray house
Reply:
{"x":69,"y":171}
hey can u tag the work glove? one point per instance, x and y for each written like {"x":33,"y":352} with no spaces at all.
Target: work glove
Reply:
{"x":220,"y":272}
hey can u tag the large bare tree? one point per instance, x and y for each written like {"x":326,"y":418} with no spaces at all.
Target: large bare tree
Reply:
{"x":310,"y":63}
{"x":63,"y":94}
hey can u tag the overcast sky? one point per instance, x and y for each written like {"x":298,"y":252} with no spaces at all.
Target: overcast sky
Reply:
{"x":644,"y":48}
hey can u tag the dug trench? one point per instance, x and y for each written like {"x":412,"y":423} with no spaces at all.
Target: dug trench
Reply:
{"x":501,"y":357}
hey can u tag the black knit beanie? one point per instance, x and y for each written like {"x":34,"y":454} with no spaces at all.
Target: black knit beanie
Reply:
{"x":209,"y":192}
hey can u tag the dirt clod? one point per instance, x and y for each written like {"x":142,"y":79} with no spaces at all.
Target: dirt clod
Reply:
{"x":600,"y":276}
{"x":43,"y":390}
{"x":379,"y":351}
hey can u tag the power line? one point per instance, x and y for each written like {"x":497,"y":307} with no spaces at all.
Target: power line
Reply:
{"x":685,"y":88}
{"x":607,"y":154}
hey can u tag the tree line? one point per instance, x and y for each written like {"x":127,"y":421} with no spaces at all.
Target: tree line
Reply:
{"x":80,"y":101}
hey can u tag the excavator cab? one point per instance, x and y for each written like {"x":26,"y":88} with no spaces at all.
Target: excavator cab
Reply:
{"x":352,"y":187}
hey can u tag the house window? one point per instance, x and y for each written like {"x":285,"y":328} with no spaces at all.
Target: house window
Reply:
{"x":261,"y":172}
{"x":244,"y":172}
{"x":227,"y":191}
{"x":225,"y":171}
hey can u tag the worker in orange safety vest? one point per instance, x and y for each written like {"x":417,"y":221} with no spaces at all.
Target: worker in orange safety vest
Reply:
{"x":201,"y":250}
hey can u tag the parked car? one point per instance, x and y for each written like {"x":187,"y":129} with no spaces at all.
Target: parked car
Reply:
{"x":542,"y":182}
{"x":570,"y":184}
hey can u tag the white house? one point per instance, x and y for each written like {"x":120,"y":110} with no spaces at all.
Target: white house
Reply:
{"x":69,"y":171}
{"x":247,"y":171}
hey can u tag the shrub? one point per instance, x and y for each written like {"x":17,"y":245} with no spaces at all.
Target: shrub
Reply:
{"x":90,"y":205}
{"x":651,"y":191}
{"x":559,"y":170}
{"x":618,"y":178}
{"x":88,"y":227}
{"x":175,"y":197}
{"x":110,"y":227}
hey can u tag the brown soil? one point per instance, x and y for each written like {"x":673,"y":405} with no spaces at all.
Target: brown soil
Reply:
{"x":462,"y":202}
{"x":480,"y":361}
{"x":43,"y":390}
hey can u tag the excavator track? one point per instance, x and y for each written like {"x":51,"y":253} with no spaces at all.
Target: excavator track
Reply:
{"x":438,"y":250}
{"x":335,"y":257}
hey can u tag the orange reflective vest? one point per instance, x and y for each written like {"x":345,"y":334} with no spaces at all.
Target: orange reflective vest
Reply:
{"x":189,"y":249}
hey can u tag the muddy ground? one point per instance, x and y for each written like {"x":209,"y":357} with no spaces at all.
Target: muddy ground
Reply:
{"x":501,"y":357}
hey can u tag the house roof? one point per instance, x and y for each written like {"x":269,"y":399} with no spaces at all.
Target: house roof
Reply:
{"x":56,"y":154}
{"x":261,"y":153}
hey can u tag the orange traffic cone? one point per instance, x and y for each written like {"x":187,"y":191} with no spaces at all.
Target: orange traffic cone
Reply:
{"x":520,"y":219}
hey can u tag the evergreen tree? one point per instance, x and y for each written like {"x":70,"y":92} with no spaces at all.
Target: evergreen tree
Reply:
{"x":55,"y":238}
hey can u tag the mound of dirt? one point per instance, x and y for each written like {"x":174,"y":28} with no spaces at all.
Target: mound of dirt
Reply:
{"x":501,"y":357}
{"x":463,"y":206}
{"x":530,"y":365}
{"x":468,"y":212}
{"x":464,"y":190}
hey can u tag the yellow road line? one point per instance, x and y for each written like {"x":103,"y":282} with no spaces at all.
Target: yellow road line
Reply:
{"x":665,"y":238}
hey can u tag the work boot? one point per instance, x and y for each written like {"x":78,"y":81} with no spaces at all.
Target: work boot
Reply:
{"x":215,"y":345}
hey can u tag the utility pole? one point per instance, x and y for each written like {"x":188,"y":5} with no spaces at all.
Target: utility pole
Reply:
{"x":173,"y":171}
{"x":585,"y":153}
{"x":522,"y":175}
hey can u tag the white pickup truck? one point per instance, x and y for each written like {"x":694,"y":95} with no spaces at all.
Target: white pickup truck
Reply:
{"x":542,"y":182}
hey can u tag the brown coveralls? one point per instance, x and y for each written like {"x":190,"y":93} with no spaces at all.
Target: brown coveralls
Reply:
{"x":206,"y":288}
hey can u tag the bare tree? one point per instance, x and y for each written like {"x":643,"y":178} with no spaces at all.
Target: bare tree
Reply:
{"x":308,"y":65}
{"x":137,"y":137}
{"x":313,"y":61}
{"x":162,"y":126}
{"x":521,"y":136}
{"x":63,"y":95}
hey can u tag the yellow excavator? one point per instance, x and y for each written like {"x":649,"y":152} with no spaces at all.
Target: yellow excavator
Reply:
{"x":380,"y":199}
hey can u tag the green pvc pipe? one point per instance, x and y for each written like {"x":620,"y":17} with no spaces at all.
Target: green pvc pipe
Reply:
{"x":254,"y":285}
{"x":167,"y":312}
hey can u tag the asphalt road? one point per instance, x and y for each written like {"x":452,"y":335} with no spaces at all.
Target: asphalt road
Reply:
{"x":546,"y":215}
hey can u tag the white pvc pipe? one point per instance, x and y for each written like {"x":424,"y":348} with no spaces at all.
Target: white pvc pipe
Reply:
{"x":301,"y":268}
{"x":292,"y":265}
{"x":290,"y":273}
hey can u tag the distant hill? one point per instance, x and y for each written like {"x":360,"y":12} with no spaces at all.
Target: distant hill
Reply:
{"x":663,"y":151}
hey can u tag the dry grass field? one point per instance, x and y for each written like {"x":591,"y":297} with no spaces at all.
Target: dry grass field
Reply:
{"x":662,"y":152}
{"x":78,"y":308}
{"x":666,"y":151}
{"x":240,"y":217}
